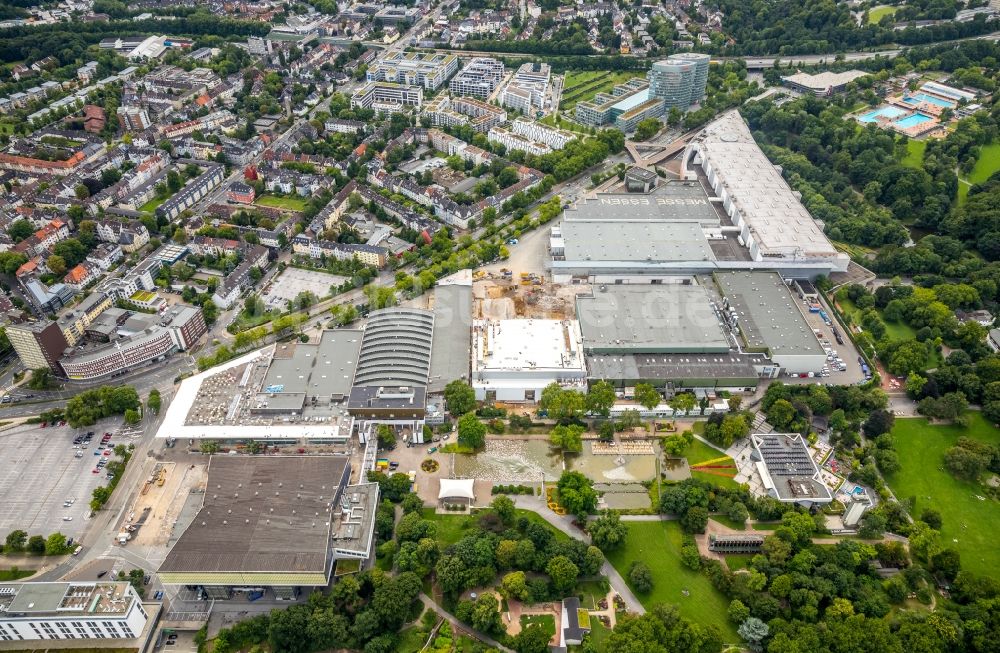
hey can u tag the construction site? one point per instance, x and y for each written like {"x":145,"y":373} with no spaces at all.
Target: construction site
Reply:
{"x":157,"y":507}
{"x":509,"y":295}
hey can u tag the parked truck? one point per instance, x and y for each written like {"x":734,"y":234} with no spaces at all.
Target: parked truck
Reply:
{"x":124,"y":537}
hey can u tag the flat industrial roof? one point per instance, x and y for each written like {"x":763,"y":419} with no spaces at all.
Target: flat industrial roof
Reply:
{"x":776,"y":219}
{"x":676,"y":200}
{"x":768,"y":316}
{"x":667,"y":318}
{"x":673,"y":367}
{"x":263,"y":514}
{"x":451,"y":345}
{"x":623,"y":240}
{"x":527,"y":345}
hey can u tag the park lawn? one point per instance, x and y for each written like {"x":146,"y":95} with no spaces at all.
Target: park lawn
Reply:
{"x":152,"y":205}
{"x":411,"y":640}
{"x":546,"y":621}
{"x":289,"y":203}
{"x":599,"y":634}
{"x":452,"y":528}
{"x":876,"y":14}
{"x":698,"y":452}
{"x":986,"y":165}
{"x":969,"y":525}
{"x":729,"y":523}
{"x":558,"y":121}
{"x":6,"y":128}
{"x":658,"y":544}
{"x":735,"y":562}
{"x":15,"y":574}
{"x":915,"y":154}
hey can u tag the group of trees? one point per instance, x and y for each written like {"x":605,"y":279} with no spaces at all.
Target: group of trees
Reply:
{"x":18,"y":541}
{"x":364,"y":611}
{"x":85,"y":408}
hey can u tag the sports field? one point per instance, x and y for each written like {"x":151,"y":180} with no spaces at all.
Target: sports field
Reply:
{"x":969,"y":523}
{"x":658,"y":544}
{"x":876,"y":14}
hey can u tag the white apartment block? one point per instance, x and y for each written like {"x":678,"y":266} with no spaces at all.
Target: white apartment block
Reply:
{"x":512,"y":141}
{"x":479,"y":78}
{"x":454,"y":111}
{"x":527,"y":90}
{"x":77,"y":610}
{"x":385,"y":97}
{"x":428,"y":71}
{"x":551,"y":136}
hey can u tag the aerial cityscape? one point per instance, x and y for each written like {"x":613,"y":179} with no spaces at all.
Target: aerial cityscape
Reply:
{"x":476,"y":326}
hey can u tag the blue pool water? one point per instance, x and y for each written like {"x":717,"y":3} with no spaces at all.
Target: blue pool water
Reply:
{"x":912,"y":121}
{"x":917,"y":98}
{"x":887,"y":111}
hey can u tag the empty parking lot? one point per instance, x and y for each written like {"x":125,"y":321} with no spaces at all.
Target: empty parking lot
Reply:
{"x":38,"y":472}
{"x":293,"y":281}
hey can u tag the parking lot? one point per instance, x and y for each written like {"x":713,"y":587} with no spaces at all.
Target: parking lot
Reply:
{"x":39,"y":472}
{"x":293,"y":281}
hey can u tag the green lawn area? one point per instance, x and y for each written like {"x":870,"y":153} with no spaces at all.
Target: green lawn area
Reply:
{"x":546,"y":621}
{"x":658,"y":544}
{"x":6,"y":128}
{"x":452,"y":528}
{"x":698,"y":452}
{"x":411,"y":640}
{"x":585,"y":84}
{"x":599,"y":634}
{"x":895,"y":330}
{"x":876,"y":14}
{"x":986,"y":165}
{"x":735,"y":562}
{"x":726,"y":521}
{"x":590,"y":591}
{"x":969,"y":524}
{"x":915,"y":154}
{"x":15,"y":574}
{"x":558,"y":121}
{"x":152,"y":205}
{"x":290,"y":203}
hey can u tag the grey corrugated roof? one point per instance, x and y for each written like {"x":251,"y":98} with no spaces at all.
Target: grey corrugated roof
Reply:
{"x":396,"y":348}
{"x":262,"y":514}
{"x":451,"y":343}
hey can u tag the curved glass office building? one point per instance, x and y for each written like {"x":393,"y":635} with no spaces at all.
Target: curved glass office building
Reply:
{"x":680,"y":79}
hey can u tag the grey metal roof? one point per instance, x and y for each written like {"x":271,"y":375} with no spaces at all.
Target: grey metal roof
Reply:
{"x":396,"y":348}
{"x":768,"y":315}
{"x":672,"y":367}
{"x":794,"y":473}
{"x":451,"y":342}
{"x":667,"y":318}
{"x":670,"y":201}
{"x":625,"y":240}
{"x":262,"y":514}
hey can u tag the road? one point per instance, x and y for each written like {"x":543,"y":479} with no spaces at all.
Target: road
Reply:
{"x":756,"y":63}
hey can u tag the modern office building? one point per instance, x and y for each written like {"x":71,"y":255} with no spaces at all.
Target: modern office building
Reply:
{"x":76,"y":610}
{"x":39,"y":345}
{"x":429,"y":71}
{"x":626,"y":106}
{"x":445,"y":111}
{"x":478,"y":78}
{"x":385,"y":97}
{"x":680,"y":79}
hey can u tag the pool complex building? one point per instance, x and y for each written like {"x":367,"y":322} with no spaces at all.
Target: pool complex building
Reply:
{"x":919,"y":112}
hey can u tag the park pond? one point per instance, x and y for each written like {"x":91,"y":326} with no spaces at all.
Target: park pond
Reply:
{"x":523,"y":461}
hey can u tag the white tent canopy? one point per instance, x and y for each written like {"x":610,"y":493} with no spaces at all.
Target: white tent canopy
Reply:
{"x":457,"y":488}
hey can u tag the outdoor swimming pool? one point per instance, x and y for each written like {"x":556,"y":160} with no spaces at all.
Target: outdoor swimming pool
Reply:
{"x":912,"y":121}
{"x":917,"y":98}
{"x":888,"y":112}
